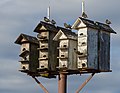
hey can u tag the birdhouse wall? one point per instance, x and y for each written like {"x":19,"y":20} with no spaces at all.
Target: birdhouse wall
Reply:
{"x":24,"y":47}
{"x":92,"y":48}
{"x":63,"y":53}
{"x":82,"y":62}
{"x":82,"y":48}
{"x":43,"y":64}
{"x":104,"y":45}
{"x":43,"y":55}
{"x":82,"y":42}
{"x":43,"y":44}
{"x":53,"y":52}
{"x":88,"y":48}
{"x":24,"y":66}
{"x":63,"y":63}
{"x":47,"y":50}
{"x":33,"y":64}
{"x":72,"y":56}
{"x":43,"y":35}
{"x":63,"y":43}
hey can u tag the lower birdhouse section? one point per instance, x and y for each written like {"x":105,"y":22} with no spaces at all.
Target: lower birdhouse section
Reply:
{"x":28,"y":53}
{"x":43,"y":55}
{"x":67,"y":54}
{"x":63,"y":63}
{"x":24,"y":66}
{"x":82,"y":63}
{"x":63,"y":54}
{"x":88,"y":49}
{"x":43,"y":64}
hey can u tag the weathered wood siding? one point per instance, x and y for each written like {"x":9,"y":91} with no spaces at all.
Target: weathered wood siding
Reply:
{"x":63,"y":52}
{"x":53,"y":52}
{"x":82,"y":48}
{"x":92,"y":48}
{"x":33,"y":64}
{"x":25,"y":46}
{"x":72,"y":56}
{"x":104,"y":59}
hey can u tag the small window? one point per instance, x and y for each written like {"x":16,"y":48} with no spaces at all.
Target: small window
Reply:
{"x":25,"y":58}
{"x":64,"y":45}
{"x":81,"y":34}
{"x":62,"y":56}
{"x":44,"y":55}
{"x":42,"y":66}
{"x":64,"y":65}
{"x":42,"y":46}
{"x":23,"y":67}
{"x":24,"y":49}
{"x":83,"y":43}
{"x":81,"y":53}
{"x":83,"y":65}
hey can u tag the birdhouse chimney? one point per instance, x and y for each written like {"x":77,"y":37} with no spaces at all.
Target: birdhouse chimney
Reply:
{"x":84,"y":15}
{"x":48,"y":12}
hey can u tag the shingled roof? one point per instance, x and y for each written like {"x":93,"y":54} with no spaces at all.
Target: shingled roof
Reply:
{"x":105,"y":27}
{"x":28,"y":38}
{"x":68,"y":33}
{"x":96,"y":25}
{"x":48,"y":26}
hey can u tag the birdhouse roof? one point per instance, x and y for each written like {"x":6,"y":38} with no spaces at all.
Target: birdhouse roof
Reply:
{"x":105,"y":27}
{"x":92,"y":24}
{"x":47,"y":26}
{"x":28,"y":39}
{"x":68,"y":33}
{"x":86,"y":23}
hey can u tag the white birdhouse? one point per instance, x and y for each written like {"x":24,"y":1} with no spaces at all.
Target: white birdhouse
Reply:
{"x":93,"y":44}
{"x":47,"y":47}
{"x":67,"y":48}
{"x":29,"y":53}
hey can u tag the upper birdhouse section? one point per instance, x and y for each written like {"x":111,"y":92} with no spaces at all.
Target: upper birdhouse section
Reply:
{"x":47,"y":47}
{"x":93,"y":44}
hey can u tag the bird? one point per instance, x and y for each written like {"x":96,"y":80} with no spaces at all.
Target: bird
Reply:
{"x":67,"y":26}
{"x":84,"y":15}
{"x":46,"y":19}
{"x":53,"y":22}
{"x":108,"y":22}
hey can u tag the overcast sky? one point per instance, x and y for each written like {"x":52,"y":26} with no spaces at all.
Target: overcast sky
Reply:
{"x":22,"y":16}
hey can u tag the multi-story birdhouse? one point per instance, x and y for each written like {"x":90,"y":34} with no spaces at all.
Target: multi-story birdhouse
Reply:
{"x":28,"y":53}
{"x":93,"y":44}
{"x":47,"y":47}
{"x":67,"y":48}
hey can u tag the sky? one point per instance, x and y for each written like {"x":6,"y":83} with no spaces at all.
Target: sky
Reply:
{"x":22,"y":16}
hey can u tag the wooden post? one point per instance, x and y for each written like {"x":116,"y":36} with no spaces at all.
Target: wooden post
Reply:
{"x":62,"y":83}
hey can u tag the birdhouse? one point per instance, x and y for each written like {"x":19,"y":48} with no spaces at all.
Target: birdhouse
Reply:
{"x":67,"y":48}
{"x":28,"y":53}
{"x":93,"y":44}
{"x":47,"y":47}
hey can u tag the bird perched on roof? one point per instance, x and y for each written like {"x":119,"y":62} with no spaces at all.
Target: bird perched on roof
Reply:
{"x":84,"y":15}
{"x":108,"y":22}
{"x":46,"y":19}
{"x":53,"y":22}
{"x":67,"y":26}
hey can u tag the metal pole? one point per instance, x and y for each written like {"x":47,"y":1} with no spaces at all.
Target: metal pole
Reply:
{"x":87,"y":80}
{"x":44,"y":89}
{"x":62,"y":83}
